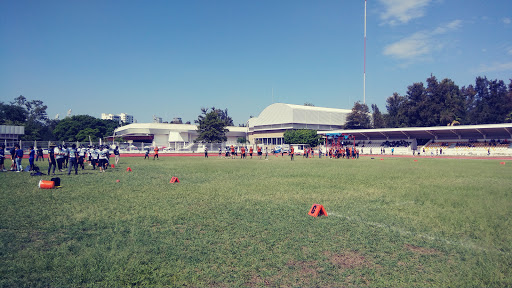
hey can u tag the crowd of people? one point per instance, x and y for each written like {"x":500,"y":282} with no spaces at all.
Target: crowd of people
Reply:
{"x":61,"y":157}
{"x":347,"y":152}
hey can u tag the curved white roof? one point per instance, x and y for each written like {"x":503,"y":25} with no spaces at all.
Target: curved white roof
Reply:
{"x":280,"y":113}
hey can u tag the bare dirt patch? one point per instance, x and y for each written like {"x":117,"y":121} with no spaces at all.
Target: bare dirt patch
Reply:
{"x":347,"y":259}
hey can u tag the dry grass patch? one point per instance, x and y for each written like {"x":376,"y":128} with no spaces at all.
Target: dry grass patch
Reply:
{"x":348,"y":259}
{"x":422,"y":250}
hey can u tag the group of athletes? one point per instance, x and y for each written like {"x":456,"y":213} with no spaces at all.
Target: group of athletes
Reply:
{"x":344,"y":152}
{"x":61,"y":157}
{"x":333,"y":152}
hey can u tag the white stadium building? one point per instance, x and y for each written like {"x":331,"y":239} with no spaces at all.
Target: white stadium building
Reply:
{"x":267,"y":129}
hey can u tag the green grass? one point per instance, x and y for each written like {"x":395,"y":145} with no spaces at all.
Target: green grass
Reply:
{"x":396,"y":222}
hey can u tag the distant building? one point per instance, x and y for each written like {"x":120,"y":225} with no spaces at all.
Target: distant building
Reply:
{"x":9,"y":135}
{"x":157,"y":119}
{"x":128,"y":119}
{"x":269,"y":127}
{"x":177,"y":120}
{"x":123,"y":117}
{"x":113,"y":117}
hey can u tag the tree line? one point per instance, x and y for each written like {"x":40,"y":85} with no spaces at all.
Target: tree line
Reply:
{"x":439,"y":103}
{"x":436,"y":103}
{"x":32,"y":114}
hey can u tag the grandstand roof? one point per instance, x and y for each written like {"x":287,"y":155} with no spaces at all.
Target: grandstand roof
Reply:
{"x":279,"y":113}
{"x":487,"y":131}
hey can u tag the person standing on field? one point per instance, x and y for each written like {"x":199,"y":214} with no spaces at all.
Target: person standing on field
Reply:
{"x":116,"y":154}
{"x":73,"y":155}
{"x":250,"y":151}
{"x":156,"y":153}
{"x":292,"y":152}
{"x":205,"y":152}
{"x":31,"y":155}
{"x":13,"y":158}
{"x":2,"y":158}
{"x":39,"y":154}
{"x":51,"y":159}
{"x":81,"y":156}
{"x":19,"y":156}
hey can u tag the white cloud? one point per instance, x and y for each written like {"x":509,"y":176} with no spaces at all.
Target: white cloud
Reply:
{"x":402,"y":11}
{"x":495,"y":67}
{"x":454,"y":25}
{"x":410,"y":47}
{"x":509,"y":50}
{"x":507,"y":20}
{"x":420,"y":44}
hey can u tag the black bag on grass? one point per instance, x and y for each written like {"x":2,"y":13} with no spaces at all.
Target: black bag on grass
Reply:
{"x":56,"y":180}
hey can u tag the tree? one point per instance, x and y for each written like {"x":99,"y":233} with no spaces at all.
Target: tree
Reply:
{"x":359,"y":118}
{"x":490,"y":102}
{"x":241,"y":140}
{"x":377,"y":117}
{"x":396,"y":116}
{"x":309,"y":104}
{"x":223,"y":115}
{"x":12,"y":114}
{"x":36,"y":109}
{"x":80,"y":127}
{"x":302,"y":136}
{"x":211,"y":128}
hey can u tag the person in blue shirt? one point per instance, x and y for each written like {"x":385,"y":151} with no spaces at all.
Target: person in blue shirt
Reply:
{"x":31,"y":156}
{"x":19,"y":156}
{"x":73,"y":155}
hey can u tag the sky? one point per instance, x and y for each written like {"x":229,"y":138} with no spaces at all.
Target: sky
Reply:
{"x":170,"y":58}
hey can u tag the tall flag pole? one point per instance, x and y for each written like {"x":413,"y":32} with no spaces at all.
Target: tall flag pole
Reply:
{"x":364,"y":68}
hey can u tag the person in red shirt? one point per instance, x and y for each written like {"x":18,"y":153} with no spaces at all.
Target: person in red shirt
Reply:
{"x":243,"y":153}
{"x":250,"y":151}
{"x":259,"y":151}
{"x":292,"y":152}
{"x":232,"y":152}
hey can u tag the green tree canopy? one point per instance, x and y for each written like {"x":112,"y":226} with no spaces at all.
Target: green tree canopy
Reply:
{"x":302,"y":136}
{"x":80,"y":127}
{"x":377,"y":117}
{"x":212,"y":126}
{"x":359,"y":118}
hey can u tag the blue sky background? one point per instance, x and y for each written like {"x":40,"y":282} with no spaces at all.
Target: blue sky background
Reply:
{"x":170,"y":58}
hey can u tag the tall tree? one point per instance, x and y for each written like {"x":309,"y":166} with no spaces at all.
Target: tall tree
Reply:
{"x":359,"y":118}
{"x":492,"y":102}
{"x":414,"y":106}
{"x":377,"y":117}
{"x":36,"y":109}
{"x":397,"y":114}
{"x":453,"y":106}
{"x":211,"y":127}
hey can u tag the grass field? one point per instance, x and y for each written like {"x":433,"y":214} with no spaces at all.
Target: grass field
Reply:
{"x":395,"y":222}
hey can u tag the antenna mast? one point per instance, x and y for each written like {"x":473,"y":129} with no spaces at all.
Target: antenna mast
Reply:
{"x":364,"y":68}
